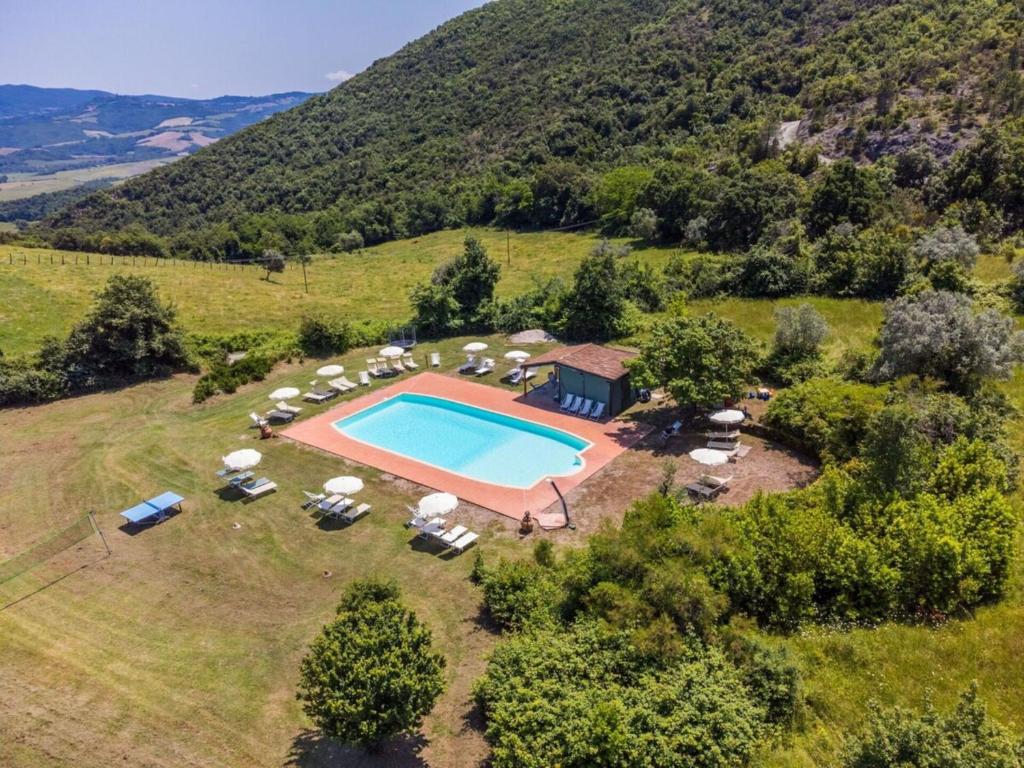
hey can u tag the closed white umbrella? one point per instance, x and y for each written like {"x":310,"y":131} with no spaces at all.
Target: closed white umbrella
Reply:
{"x":392,"y":352}
{"x":474,"y":346}
{"x":284,"y":393}
{"x":437,"y":504}
{"x":344,"y":485}
{"x":709,"y":456}
{"x":247,"y":458}
{"x":330,"y":370}
{"x":727,"y":417}
{"x":517,"y":355}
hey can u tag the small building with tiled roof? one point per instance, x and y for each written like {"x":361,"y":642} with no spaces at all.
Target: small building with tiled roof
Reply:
{"x":592,"y":371}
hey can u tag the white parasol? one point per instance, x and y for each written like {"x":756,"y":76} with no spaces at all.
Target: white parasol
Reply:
{"x":247,"y":458}
{"x":344,"y":485}
{"x":474,"y":346}
{"x":437,"y":504}
{"x":330,"y":370}
{"x":517,"y":355}
{"x":728,"y":417}
{"x":284,"y":393}
{"x":391,"y":352}
{"x":709,"y":456}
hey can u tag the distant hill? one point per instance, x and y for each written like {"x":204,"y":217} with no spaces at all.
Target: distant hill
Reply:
{"x":517,"y":113}
{"x":43,"y":130}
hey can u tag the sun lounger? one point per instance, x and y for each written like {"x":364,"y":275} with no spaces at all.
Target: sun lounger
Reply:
{"x":258,"y":487}
{"x":709,"y":486}
{"x":340,"y":508}
{"x":318,"y":397}
{"x":364,"y":378}
{"x":515,"y":376}
{"x":469,"y":365}
{"x":257,"y":420}
{"x":354,"y":513}
{"x":435,"y":359}
{"x":529,"y":374}
{"x":739,"y":452}
{"x":396,"y":365}
{"x":383,"y":367}
{"x":153,"y":511}
{"x":408,"y":362}
{"x":485,"y":367}
{"x":450,"y":537}
{"x":325,"y":504}
{"x":598,"y":411}
{"x":276,"y":415}
{"x":312,"y":499}
{"x":239,"y":479}
{"x":567,"y":402}
{"x":464,"y":542}
{"x":672,"y":430}
{"x":371,"y":366}
{"x":576,"y":403}
{"x":287,"y":407}
{"x":431,"y":527}
{"x":723,"y":445}
{"x":584,"y":410}
{"x":342,"y":384}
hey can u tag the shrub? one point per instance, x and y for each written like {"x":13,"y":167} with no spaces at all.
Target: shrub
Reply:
{"x":965,"y":738}
{"x":347,"y":242}
{"x":799,"y":332}
{"x":322,"y":335}
{"x":372,"y":673}
{"x":519,"y":594}
{"x":595,"y":306}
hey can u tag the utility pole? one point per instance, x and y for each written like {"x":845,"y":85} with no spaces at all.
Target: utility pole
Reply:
{"x":508,"y":247}
{"x":304,"y":258}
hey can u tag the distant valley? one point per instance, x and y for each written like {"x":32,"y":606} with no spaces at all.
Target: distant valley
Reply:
{"x":54,"y":139}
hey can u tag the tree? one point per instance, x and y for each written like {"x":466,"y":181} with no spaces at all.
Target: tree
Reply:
{"x":701,"y":361}
{"x":965,"y":738}
{"x":846,"y":194}
{"x":947,"y":244}
{"x":939,"y":334}
{"x":273,"y":261}
{"x":372,"y":673}
{"x":643,"y":224}
{"x":472,"y":277}
{"x":799,"y":332}
{"x":128,"y":333}
{"x":437,"y":311}
{"x":594,"y":307}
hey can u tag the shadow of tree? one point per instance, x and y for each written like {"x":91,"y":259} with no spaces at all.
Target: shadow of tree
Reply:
{"x":310,"y":749}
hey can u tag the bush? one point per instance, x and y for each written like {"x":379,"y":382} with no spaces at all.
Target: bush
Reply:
{"x":825,"y":418}
{"x":373,"y":672}
{"x":965,"y":738}
{"x":347,"y":242}
{"x":226,"y":378}
{"x":799,"y":332}
{"x":322,"y":335}
{"x":519,"y":594}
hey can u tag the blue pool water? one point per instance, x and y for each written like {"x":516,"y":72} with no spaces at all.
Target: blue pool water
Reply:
{"x":479,"y":444}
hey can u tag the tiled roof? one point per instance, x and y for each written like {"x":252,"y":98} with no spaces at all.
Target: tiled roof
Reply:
{"x":605,"y":362}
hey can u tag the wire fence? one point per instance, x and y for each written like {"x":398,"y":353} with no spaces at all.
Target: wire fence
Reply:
{"x":56,"y":543}
{"x":71,"y":258}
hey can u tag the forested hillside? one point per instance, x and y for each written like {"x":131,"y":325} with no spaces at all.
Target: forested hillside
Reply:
{"x":541,"y":113}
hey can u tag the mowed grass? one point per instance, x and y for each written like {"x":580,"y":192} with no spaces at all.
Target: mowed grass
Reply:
{"x":182,"y":648}
{"x":45,"y":296}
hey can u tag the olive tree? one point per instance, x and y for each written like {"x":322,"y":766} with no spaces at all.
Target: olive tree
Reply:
{"x":373,"y":672}
{"x":947,"y":244}
{"x":799,"y":331}
{"x":939,"y":334}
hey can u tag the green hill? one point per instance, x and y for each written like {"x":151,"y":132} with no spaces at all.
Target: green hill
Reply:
{"x":535,"y":113}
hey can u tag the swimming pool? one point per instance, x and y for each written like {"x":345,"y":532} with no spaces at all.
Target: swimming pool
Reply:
{"x":473,"y":442}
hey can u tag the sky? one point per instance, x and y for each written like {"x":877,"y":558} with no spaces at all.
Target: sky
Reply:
{"x":206,"y":48}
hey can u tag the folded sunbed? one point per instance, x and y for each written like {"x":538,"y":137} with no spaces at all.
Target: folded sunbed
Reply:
{"x":364,"y":378}
{"x":435,"y":359}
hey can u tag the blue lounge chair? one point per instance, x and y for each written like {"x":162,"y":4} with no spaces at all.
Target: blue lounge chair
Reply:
{"x":153,"y":510}
{"x":567,"y":401}
{"x":575,"y":407}
{"x":584,"y":410}
{"x":598,"y":411}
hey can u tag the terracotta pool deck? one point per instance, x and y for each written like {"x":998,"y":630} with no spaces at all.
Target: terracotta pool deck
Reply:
{"x":608,"y":439}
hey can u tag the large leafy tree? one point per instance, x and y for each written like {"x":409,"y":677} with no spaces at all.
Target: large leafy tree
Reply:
{"x":847,"y":194}
{"x":939,"y":334}
{"x":594,"y":307}
{"x":128,"y":333}
{"x":473,"y":275}
{"x":699,"y":360}
{"x":373,"y":672}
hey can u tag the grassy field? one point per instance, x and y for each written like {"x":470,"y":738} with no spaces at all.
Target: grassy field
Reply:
{"x":39,"y":297}
{"x":28,"y":184}
{"x":181,"y":648}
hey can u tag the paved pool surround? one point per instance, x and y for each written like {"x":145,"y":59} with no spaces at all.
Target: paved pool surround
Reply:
{"x":607,"y":440}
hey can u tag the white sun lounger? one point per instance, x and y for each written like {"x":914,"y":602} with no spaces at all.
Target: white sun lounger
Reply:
{"x":342,"y":384}
{"x":340,"y":508}
{"x":325,"y":504}
{"x":469,"y":365}
{"x":576,"y":403}
{"x":257,"y":488}
{"x":584,"y":410}
{"x":435,"y":359}
{"x":257,"y":420}
{"x":396,"y":365}
{"x":288,"y":407}
{"x":312,"y":499}
{"x":430,"y":527}
{"x":408,"y":362}
{"x":364,"y":378}
{"x":453,"y":535}
{"x":567,"y":402}
{"x":530,"y":373}
{"x":598,"y":411}
{"x":515,"y":376}
{"x":464,"y":542}
{"x":485,"y":367}
{"x":354,"y":513}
